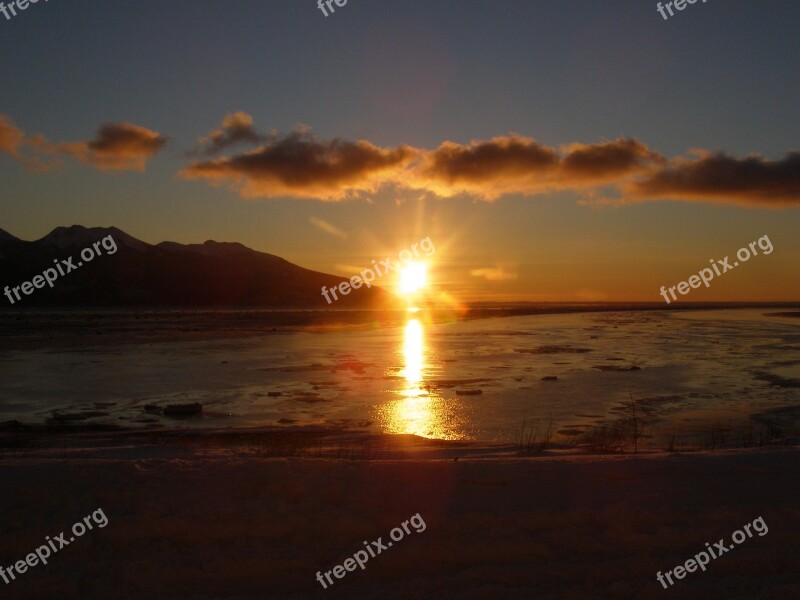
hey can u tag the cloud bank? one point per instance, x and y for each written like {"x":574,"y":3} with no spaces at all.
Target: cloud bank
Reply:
{"x":721,"y":178}
{"x":515,"y":164}
{"x":298,"y":165}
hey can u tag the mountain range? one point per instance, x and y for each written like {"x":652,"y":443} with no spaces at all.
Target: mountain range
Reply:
{"x":169,"y":274}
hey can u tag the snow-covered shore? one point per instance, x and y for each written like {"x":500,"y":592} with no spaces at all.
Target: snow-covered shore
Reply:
{"x":208,"y":520}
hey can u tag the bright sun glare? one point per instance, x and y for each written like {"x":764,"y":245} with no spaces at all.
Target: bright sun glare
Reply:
{"x":413,"y":277}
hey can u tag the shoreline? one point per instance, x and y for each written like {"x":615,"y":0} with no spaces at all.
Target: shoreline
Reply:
{"x":307,"y":442}
{"x":38,"y":328}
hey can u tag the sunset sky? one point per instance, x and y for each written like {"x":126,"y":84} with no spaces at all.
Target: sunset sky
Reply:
{"x":552,"y":150}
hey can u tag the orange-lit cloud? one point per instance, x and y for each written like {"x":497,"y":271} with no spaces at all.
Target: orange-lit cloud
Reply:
{"x":11,"y":137}
{"x":16,"y":144}
{"x":633,"y":172}
{"x":118,"y":146}
{"x":721,"y":178}
{"x":606,"y":163}
{"x":299,"y":165}
{"x":501,"y":165}
{"x":515,"y":164}
{"x":237,"y":128}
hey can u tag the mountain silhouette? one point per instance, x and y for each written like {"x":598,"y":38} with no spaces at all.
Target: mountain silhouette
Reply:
{"x":212,"y":274}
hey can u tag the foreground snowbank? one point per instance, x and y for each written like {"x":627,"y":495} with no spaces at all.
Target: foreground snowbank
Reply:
{"x":211,"y":521}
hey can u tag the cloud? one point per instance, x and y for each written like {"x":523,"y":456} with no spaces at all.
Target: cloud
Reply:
{"x":117,"y":147}
{"x":11,"y":137}
{"x":237,"y":128}
{"x":721,"y":178}
{"x":634,"y":173}
{"x":608,"y":162}
{"x":493,"y":274}
{"x":328,"y":228}
{"x":490,"y":169}
{"x":299,"y":165}
{"x":615,"y":172}
{"x":515,"y":164}
{"x":16,"y":144}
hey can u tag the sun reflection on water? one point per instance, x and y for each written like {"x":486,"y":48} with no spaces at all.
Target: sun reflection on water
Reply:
{"x":418,"y":410}
{"x":414,"y":354}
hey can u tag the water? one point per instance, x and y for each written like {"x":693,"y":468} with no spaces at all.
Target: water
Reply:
{"x":687,"y":372}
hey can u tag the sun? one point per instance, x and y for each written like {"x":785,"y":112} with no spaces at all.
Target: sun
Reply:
{"x":413,"y":277}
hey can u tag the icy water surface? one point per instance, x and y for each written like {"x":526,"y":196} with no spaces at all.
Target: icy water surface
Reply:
{"x":481,"y":379}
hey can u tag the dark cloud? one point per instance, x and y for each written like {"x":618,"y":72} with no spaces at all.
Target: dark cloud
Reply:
{"x":520,"y":165}
{"x":117,"y":147}
{"x":301,"y":166}
{"x":237,"y":128}
{"x":721,"y":178}
{"x":512,"y":157}
{"x":606,"y":162}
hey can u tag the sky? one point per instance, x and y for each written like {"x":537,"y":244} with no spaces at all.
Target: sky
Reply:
{"x":552,"y":150}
